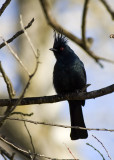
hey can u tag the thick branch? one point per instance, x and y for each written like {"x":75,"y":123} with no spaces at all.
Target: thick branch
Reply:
{"x":58,"y":98}
{"x":53,"y":23}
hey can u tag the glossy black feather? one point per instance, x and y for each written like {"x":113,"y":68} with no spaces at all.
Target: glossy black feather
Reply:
{"x":68,"y":76}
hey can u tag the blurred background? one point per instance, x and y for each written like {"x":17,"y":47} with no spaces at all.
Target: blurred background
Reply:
{"x":98,"y":113}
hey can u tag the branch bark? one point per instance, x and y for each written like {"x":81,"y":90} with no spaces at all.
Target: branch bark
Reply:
{"x":58,"y":98}
{"x":57,"y":125}
{"x":4,"y":6}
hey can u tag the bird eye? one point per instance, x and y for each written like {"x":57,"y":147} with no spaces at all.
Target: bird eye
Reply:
{"x":61,"y":48}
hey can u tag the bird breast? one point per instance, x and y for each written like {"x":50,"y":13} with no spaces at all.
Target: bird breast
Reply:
{"x":68,"y":78}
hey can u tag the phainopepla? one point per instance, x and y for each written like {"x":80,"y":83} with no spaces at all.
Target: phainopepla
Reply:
{"x":69,"y":75}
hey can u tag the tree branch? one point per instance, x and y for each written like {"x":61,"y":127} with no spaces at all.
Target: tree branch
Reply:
{"x":24,"y":152}
{"x":96,"y":150}
{"x":17,"y":34}
{"x":53,"y":23}
{"x":9,"y":85}
{"x":10,"y":106}
{"x":84,"y":15}
{"x":103,"y":146}
{"x":57,"y":125}
{"x":28,"y":154}
{"x":4,"y":6}
{"x":58,"y":98}
{"x":108,"y":8}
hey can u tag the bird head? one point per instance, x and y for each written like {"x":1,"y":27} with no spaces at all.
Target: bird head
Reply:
{"x":60,"y":45}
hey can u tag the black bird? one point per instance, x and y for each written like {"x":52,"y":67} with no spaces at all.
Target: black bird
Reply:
{"x":69,"y":75}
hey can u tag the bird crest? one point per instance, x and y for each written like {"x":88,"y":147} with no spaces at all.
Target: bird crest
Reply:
{"x":60,"y":40}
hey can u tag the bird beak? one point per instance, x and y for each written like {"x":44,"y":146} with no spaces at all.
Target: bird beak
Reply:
{"x":53,"y":49}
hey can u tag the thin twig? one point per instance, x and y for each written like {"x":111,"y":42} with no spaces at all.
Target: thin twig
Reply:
{"x":12,"y":107}
{"x":23,"y":93}
{"x":15,"y":147}
{"x":16,"y":56}
{"x":27,"y":153}
{"x":84,"y":15}
{"x":58,"y":125}
{"x":28,"y":38}
{"x":58,"y":98}
{"x":17,"y":34}
{"x":23,"y":114}
{"x":96,"y":150}
{"x":4,"y":6}
{"x":111,"y":12}
{"x":70,"y":152}
{"x":102,"y":146}
{"x":10,"y":89}
{"x":30,"y":77}
{"x":31,"y":141}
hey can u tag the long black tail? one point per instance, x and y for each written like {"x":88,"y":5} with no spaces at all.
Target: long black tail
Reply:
{"x":76,"y":116}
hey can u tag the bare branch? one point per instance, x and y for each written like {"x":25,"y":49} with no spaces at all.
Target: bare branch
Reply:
{"x":27,"y":85}
{"x":58,"y":98}
{"x":30,"y":75}
{"x":53,"y":23}
{"x":102,"y":146}
{"x":17,"y":34}
{"x":22,"y":114}
{"x":96,"y":150}
{"x":28,"y":154}
{"x":8,"y":82}
{"x":4,"y":6}
{"x":28,"y":38}
{"x":11,"y":107}
{"x":84,"y":15}
{"x":15,"y":56}
{"x":70,"y":152}
{"x":58,"y":125}
{"x":30,"y":137}
{"x":108,"y":8}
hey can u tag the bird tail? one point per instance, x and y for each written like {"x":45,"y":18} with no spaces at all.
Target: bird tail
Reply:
{"x":76,"y":116}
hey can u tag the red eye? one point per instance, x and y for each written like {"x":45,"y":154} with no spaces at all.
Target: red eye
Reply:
{"x":62,"y":48}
